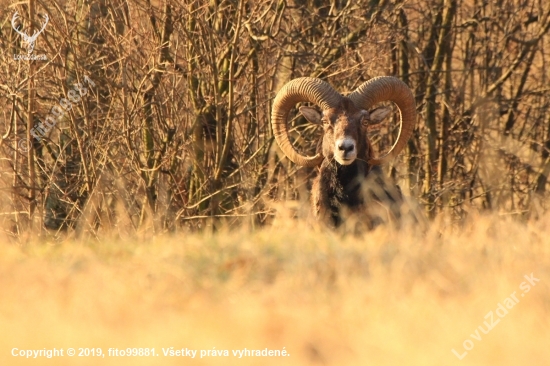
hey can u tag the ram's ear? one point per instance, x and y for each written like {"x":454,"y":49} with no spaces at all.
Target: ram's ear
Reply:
{"x":378,"y":115}
{"x":311,"y":114}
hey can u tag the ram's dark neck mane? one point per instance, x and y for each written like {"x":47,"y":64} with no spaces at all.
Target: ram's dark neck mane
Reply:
{"x":343,"y":184}
{"x":347,"y":179}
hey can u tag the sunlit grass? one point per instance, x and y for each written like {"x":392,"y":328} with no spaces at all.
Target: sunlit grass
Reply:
{"x":382,"y":298}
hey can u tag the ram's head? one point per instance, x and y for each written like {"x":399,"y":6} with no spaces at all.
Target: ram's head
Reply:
{"x":345,"y":119}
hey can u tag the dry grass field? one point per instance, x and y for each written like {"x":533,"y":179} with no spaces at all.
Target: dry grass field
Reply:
{"x":382,"y":298}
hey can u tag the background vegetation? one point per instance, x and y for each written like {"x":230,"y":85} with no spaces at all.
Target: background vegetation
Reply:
{"x":176,"y":129}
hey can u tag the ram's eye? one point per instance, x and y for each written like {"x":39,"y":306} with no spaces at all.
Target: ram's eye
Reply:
{"x":365,"y":118}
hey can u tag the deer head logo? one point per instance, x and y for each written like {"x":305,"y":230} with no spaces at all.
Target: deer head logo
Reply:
{"x":30,"y":40}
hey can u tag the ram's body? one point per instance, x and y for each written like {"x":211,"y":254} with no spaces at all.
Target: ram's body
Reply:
{"x":356,"y":189}
{"x":349,"y":176}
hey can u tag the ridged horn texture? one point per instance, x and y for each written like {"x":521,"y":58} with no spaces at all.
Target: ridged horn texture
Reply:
{"x":388,"y":88}
{"x":303,"y":89}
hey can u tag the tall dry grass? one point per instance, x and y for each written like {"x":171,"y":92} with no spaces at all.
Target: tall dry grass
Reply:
{"x":384,"y":297}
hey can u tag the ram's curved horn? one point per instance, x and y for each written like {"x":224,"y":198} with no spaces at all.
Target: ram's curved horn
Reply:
{"x":300,"y":90}
{"x":388,"y":88}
